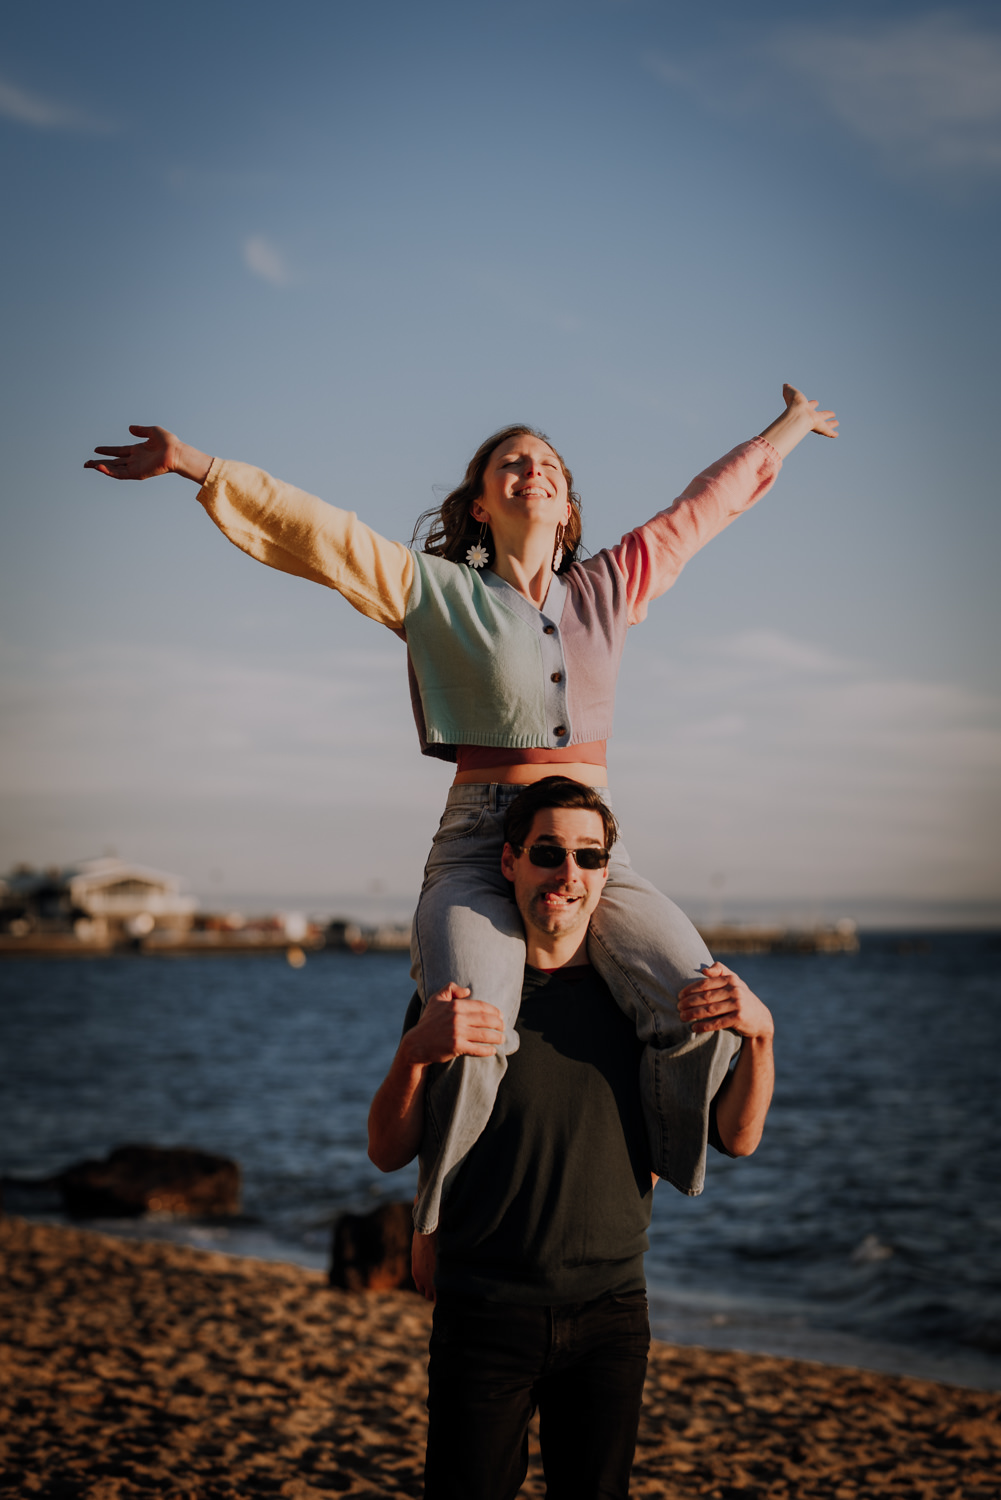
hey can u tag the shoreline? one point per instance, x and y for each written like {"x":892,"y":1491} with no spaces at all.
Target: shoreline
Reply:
{"x":684,"y":1317}
{"x":130,"y":1367}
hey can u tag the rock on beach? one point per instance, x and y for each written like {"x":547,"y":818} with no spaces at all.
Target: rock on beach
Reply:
{"x":371,"y":1252}
{"x":134,"y":1180}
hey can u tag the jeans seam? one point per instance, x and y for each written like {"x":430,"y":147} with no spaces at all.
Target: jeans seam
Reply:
{"x":594,"y":937}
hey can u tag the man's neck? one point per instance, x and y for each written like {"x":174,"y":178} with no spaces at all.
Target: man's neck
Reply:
{"x":544,"y":952}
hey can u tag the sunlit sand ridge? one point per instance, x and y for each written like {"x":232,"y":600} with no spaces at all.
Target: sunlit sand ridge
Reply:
{"x":132,"y":1369}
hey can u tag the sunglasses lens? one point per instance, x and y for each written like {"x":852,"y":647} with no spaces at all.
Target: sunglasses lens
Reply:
{"x":546,"y":856}
{"x":551,"y":856}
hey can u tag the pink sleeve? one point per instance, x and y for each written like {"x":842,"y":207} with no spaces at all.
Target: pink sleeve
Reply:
{"x":652,"y":556}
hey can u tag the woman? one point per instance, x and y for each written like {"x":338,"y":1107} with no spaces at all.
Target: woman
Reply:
{"x":513,"y":648}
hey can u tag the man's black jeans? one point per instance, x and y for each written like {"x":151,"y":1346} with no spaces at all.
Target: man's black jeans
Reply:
{"x":493,"y":1363}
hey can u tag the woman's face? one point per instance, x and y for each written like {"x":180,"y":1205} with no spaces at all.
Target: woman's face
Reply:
{"x":523,"y":486}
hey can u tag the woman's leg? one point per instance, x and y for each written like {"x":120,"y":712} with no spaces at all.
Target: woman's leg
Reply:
{"x":466,"y":929}
{"x":646,"y":950}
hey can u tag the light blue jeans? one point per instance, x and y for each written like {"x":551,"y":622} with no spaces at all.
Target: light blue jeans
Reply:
{"x":467,"y":929}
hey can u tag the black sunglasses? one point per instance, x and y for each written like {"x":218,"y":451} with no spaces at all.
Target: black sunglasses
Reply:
{"x":551,"y":856}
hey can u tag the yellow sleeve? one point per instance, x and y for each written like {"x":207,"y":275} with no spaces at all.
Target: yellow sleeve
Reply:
{"x":296,"y":533}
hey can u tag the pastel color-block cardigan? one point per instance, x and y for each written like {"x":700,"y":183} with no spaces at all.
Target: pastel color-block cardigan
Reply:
{"x":486,"y":666}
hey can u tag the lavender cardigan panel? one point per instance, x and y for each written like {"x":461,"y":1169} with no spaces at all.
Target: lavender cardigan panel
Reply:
{"x":595,"y":622}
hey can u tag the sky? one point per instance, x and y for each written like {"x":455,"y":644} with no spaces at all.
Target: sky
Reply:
{"x":345,"y":243}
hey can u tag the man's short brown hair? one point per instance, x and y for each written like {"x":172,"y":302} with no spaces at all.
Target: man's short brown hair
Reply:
{"x":555,"y":791}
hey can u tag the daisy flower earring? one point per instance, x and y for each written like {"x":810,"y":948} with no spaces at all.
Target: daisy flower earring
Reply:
{"x":477,"y":555}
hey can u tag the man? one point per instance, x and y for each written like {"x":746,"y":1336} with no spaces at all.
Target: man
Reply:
{"x":539,"y":1289}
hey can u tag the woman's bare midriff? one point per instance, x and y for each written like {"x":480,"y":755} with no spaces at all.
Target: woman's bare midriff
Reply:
{"x":525,"y":775}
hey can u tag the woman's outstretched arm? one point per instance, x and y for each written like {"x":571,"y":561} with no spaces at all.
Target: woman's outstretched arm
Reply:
{"x":651,"y":556}
{"x":800,"y":417}
{"x":161,"y":453}
{"x":278,"y":524}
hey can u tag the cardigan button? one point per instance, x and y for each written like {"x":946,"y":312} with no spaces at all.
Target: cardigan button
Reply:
{"x":556,"y":677}
{"x":560,"y":731}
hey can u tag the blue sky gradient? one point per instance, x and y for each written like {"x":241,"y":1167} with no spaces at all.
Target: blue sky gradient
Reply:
{"x":347,"y":242}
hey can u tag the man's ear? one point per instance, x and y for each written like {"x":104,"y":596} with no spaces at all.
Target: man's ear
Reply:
{"x":508,"y":858}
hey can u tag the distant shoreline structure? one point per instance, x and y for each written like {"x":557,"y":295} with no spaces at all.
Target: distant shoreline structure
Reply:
{"x":103,"y":906}
{"x":296,"y":938}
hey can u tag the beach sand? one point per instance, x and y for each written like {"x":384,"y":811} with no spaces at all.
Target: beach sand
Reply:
{"x":142,"y":1369}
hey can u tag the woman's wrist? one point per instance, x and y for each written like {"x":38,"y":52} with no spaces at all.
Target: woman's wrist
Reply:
{"x":190,"y":463}
{"x":789,"y":429}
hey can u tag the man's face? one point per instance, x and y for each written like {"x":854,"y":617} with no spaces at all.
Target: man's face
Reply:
{"x":558,"y":902}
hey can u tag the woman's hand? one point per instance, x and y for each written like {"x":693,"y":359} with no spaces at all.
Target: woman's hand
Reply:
{"x":824,"y":422}
{"x":161,"y":453}
{"x":800,"y":417}
{"x":721,"y":1001}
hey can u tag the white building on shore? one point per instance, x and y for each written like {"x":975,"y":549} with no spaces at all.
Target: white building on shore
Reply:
{"x":97,"y":899}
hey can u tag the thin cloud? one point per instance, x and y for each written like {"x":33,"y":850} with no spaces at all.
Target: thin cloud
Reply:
{"x":261,"y":257}
{"x":295,"y":776}
{"x":200,"y":723}
{"x":794,"y":770}
{"x":770,"y":648}
{"x":760,"y":756}
{"x":926,"y":91}
{"x":28,"y":108}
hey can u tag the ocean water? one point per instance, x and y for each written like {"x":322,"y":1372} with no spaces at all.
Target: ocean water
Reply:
{"x":866,"y":1230}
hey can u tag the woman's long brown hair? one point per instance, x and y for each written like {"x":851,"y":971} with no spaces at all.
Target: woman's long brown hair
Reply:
{"x":449,"y":530}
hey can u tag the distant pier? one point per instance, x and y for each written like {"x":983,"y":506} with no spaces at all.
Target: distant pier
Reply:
{"x":104,"y":906}
{"x":839,"y":937}
{"x":273,"y":935}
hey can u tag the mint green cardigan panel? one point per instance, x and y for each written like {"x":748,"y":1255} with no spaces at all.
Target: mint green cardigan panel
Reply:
{"x":478,"y":656}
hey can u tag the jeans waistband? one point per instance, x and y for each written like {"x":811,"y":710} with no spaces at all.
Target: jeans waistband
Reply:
{"x":497,"y":796}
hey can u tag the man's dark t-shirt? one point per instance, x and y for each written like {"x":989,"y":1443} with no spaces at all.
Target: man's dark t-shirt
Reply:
{"x":552,"y":1204}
